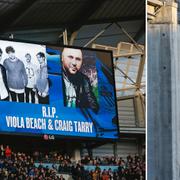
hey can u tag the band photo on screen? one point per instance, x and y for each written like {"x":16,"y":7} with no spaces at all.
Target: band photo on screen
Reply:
{"x":24,"y":75}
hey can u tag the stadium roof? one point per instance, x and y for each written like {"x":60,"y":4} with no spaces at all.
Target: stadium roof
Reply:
{"x":53,"y":16}
{"x":46,"y":20}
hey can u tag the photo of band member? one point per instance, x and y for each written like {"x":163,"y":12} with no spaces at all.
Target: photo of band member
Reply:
{"x":23,"y":73}
{"x":79,"y":82}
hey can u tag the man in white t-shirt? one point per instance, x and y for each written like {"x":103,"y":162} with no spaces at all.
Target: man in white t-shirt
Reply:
{"x":42,"y":83}
{"x":31,"y":71}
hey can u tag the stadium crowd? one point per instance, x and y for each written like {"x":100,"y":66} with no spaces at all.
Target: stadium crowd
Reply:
{"x":20,"y":166}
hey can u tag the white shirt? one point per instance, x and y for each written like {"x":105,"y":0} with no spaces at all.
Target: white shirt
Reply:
{"x":31,"y":71}
{"x":70,"y":93}
{"x":18,"y":91}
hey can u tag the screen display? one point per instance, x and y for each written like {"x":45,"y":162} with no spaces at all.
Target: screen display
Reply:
{"x":57,"y":90}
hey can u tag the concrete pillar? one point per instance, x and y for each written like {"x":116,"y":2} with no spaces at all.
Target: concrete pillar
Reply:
{"x":163,"y":95}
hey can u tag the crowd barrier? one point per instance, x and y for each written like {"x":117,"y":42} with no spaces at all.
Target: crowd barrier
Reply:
{"x":86,"y":167}
{"x":91,"y":167}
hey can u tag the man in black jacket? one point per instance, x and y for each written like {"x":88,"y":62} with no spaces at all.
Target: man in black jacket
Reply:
{"x":3,"y":82}
{"x":77,"y":87}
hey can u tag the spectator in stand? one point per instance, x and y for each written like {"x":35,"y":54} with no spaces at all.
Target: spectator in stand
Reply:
{"x":36,"y":155}
{"x":22,"y":166}
{"x":8,"y":152}
{"x":46,"y":159}
{"x":105,"y":175}
{"x":96,"y":175}
{"x":2,"y":152}
{"x":115,"y":176}
{"x":61,"y":177}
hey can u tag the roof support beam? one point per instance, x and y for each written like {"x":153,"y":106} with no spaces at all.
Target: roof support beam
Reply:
{"x":73,"y":36}
{"x":126,"y":33}
{"x":140,"y":71}
{"x":98,"y":35}
{"x":117,"y":19}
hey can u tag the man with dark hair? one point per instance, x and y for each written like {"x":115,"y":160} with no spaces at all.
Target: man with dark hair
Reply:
{"x":77,"y":87}
{"x":16,"y":75}
{"x":42,"y":84}
{"x":10,"y":49}
{"x":3,"y":82}
{"x":31,"y":71}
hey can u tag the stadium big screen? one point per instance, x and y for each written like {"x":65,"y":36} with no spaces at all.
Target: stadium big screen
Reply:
{"x":61,"y":91}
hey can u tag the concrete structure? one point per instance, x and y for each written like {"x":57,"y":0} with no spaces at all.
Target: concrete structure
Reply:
{"x":164,"y":95}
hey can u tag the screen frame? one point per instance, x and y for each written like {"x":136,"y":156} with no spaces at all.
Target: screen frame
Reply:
{"x":114,"y":88}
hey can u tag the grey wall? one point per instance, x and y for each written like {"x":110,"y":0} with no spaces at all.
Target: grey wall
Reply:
{"x":121,"y":149}
{"x":163,"y":95}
